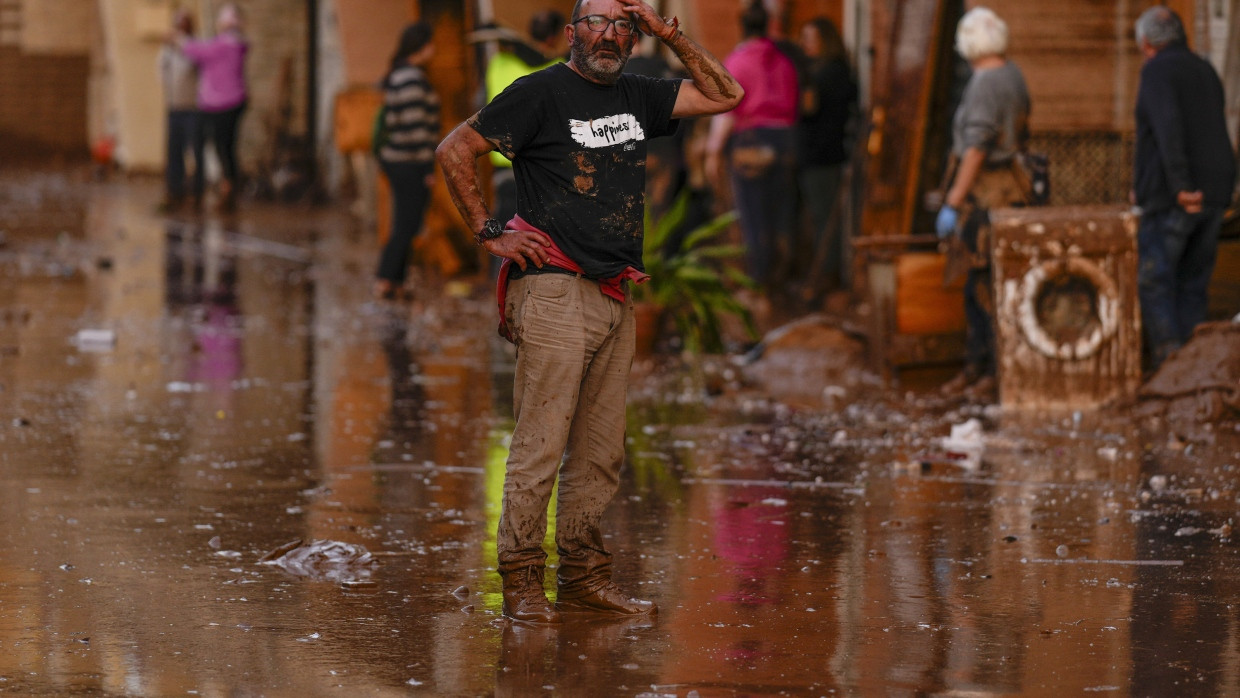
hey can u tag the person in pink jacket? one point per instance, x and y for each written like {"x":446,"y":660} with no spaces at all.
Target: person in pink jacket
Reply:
{"x":757,"y":142}
{"x":222,"y":94}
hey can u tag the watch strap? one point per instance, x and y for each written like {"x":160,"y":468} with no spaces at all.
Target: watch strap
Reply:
{"x":491,"y":229}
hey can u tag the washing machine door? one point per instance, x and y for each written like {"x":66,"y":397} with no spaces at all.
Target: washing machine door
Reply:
{"x":1068,"y":309}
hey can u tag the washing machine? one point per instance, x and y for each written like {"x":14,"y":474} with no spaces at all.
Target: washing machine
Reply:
{"x":1068,"y":323}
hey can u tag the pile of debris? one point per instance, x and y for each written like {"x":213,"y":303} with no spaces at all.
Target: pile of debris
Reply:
{"x":1200,"y":383}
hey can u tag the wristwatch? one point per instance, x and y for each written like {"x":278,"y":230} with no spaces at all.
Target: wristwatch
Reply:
{"x":491,"y":229}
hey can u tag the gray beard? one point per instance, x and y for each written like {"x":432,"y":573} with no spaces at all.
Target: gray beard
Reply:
{"x":596,"y":69}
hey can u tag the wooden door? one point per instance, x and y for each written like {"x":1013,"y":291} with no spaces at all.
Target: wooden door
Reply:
{"x":912,"y":55}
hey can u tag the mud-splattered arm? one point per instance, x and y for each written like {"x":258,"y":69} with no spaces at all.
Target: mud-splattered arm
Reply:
{"x":711,"y":89}
{"x":457,"y":157}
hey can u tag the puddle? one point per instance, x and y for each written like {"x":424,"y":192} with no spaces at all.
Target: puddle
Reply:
{"x":251,"y":395}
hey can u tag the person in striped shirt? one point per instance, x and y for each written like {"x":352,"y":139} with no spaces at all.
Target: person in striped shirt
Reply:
{"x":407,"y":153}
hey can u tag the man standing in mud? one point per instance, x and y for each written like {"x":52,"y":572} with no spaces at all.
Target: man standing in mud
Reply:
{"x":576,"y":134}
{"x":1184,"y":173}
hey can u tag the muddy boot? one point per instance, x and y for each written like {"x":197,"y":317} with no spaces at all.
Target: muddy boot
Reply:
{"x":607,"y":599}
{"x":524,"y":598}
{"x":984,"y":390}
{"x":957,"y":386}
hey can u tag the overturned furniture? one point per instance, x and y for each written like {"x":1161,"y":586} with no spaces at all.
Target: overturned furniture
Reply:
{"x":1068,"y":325}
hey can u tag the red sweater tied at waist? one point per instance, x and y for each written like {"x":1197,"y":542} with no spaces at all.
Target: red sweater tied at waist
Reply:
{"x":612,"y":287}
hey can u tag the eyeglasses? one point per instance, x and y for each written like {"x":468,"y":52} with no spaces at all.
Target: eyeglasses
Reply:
{"x":599,"y":23}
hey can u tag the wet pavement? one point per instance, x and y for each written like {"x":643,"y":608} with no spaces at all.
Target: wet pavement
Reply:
{"x":181,"y":396}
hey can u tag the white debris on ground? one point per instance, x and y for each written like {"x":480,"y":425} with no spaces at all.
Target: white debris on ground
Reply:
{"x":347,"y":563}
{"x":966,"y":440}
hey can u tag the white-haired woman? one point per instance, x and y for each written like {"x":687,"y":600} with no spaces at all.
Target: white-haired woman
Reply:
{"x":989,"y":131}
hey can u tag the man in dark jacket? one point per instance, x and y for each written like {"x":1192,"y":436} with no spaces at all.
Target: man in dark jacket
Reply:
{"x":1185,"y":170}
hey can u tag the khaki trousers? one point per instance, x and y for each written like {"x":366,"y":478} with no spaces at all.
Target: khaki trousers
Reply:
{"x":574,"y":352}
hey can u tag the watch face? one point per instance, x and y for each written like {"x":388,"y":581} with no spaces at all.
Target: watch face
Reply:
{"x":491,"y":229}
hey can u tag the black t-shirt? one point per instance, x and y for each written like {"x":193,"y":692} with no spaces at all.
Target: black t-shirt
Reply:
{"x":578,"y":151}
{"x":824,"y":132}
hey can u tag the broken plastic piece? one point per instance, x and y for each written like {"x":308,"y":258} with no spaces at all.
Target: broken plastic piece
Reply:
{"x":95,"y":340}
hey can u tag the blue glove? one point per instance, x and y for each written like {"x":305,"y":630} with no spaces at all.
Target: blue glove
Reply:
{"x":945,"y":224}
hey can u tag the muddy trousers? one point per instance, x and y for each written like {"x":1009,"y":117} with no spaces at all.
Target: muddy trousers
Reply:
{"x":574,"y":352}
{"x":1176,"y":254}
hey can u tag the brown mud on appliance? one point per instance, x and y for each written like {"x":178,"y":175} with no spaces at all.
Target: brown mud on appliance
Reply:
{"x":1068,"y":321}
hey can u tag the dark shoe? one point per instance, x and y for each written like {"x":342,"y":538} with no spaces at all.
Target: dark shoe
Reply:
{"x":957,"y":385}
{"x":607,"y":599}
{"x":984,"y":389}
{"x":524,"y":598}
{"x":385,"y":290}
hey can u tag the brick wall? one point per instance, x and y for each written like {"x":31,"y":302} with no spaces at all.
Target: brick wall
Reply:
{"x":276,"y":68}
{"x":44,"y":108}
{"x":1079,"y":60}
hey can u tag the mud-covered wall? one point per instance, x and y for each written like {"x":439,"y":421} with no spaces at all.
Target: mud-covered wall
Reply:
{"x":44,"y":63}
{"x":51,"y":87}
{"x":277,"y":70}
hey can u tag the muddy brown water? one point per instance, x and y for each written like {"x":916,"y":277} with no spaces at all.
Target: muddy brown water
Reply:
{"x":236,"y":390}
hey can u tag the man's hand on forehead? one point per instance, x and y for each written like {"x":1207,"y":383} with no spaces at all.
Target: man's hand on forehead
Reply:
{"x":648,"y":21}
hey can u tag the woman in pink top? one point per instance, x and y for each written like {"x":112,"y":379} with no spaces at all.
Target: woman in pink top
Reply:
{"x":759,"y":139}
{"x":222,"y":95}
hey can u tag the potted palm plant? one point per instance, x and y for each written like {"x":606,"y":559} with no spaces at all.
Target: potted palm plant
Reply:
{"x":692,"y":281}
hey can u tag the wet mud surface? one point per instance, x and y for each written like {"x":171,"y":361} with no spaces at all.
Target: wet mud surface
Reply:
{"x":183,"y":399}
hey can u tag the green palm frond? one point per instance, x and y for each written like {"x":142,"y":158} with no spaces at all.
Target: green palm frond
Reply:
{"x":694,"y":283}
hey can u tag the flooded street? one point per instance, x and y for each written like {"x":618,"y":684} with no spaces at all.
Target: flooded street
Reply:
{"x":182,"y":396}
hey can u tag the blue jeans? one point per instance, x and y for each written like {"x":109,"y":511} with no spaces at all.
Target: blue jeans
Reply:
{"x":1176,"y":252}
{"x":764,"y":186}
{"x":409,"y":198}
{"x":979,"y":339}
{"x":221,"y":128}
{"x":182,"y":134}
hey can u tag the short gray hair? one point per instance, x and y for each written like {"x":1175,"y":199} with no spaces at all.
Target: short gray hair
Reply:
{"x":1160,"y":26}
{"x":981,"y":33}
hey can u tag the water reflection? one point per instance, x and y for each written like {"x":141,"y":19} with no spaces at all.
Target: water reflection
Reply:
{"x":576,"y":658}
